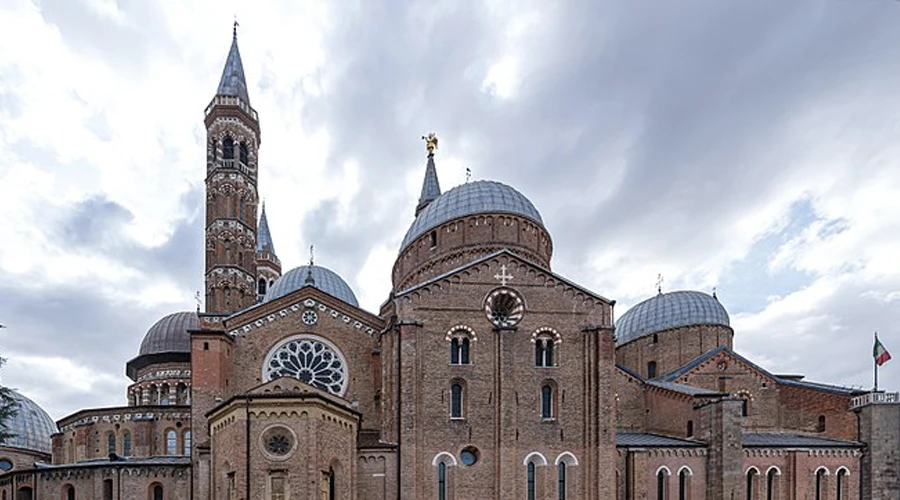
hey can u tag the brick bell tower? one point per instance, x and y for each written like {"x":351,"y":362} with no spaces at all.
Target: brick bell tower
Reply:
{"x":233,"y":138}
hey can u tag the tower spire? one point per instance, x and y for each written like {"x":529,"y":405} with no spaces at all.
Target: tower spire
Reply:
{"x":264,"y":237}
{"x":431,"y":188}
{"x":233,"y":82}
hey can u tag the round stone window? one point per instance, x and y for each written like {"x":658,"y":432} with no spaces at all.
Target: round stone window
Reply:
{"x":309,"y":317}
{"x":504,"y":307}
{"x":469,"y":455}
{"x":311,"y":359}
{"x":5,"y":465}
{"x":278,"y":442}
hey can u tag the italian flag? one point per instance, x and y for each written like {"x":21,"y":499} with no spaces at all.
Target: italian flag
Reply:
{"x":881,"y":354}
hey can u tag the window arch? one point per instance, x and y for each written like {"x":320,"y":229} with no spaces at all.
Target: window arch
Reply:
{"x":820,"y":427}
{"x":156,"y":491}
{"x":107,"y":489}
{"x":841,"y":475}
{"x":690,"y":428}
{"x":186,"y":442}
{"x":684,"y":482}
{"x":442,"y":481}
{"x":228,"y":148}
{"x":821,"y":472}
{"x":561,"y":480}
{"x":261,"y":288}
{"x":110,"y":443}
{"x":171,"y":442}
{"x":752,"y":482}
{"x":126,"y":444}
{"x":546,"y":342}
{"x":243,"y":152}
{"x":548,"y":406}
{"x":662,"y":483}
{"x":459,"y":350}
{"x":564,"y":478}
{"x":457,"y":400}
{"x":651,"y":369}
{"x":69,"y":492}
{"x":771,"y":475}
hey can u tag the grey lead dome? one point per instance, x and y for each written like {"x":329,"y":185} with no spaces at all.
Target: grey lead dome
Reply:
{"x":670,"y":310}
{"x":170,"y":334}
{"x":324,"y":279}
{"x":468,"y":199}
{"x":31,"y":426}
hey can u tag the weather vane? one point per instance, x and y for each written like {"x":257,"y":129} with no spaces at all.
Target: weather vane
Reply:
{"x":468,"y":174}
{"x":431,"y":143}
{"x":234,"y":30}
{"x":197,"y":298}
{"x":311,"y":255}
{"x":659,"y":282}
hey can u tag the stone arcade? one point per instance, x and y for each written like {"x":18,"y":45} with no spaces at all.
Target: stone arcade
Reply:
{"x":483,"y":375}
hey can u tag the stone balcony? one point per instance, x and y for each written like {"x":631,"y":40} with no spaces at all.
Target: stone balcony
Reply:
{"x":875,"y":398}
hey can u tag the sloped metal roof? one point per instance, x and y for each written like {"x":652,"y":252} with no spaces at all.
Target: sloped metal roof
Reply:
{"x":233,"y":82}
{"x":31,"y":426}
{"x":170,"y":334}
{"x":322,"y":278}
{"x":263,"y":236}
{"x":670,"y":310}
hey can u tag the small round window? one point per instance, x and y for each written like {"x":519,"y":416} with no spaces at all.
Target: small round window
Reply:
{"x":5,"y":465}
{"x":278,"y":442}
{"x":469,"y":455}
{"x":504,"y":307}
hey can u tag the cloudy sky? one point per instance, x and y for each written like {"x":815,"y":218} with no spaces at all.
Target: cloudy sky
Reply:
{"x":751,"y":146}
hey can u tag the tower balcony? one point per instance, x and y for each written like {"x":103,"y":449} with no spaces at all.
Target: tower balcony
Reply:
{"x":228,"y":100}
{"x":875,"y":398}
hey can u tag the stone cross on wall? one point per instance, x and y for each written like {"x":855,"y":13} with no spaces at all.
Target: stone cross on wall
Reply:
{"x":503,"y":277}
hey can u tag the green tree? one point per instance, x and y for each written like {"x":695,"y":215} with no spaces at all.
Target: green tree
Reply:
{"x":9,"y":405}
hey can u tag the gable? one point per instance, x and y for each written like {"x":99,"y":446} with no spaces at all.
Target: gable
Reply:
{"x":716,"y":363}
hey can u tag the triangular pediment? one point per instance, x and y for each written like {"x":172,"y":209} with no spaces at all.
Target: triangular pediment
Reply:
{"x":507,"y":258}
{"x":291,"y":305}
{"x":720,"y":361}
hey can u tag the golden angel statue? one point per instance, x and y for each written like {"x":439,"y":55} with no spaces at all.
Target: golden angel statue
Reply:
{"x":431,"y":142}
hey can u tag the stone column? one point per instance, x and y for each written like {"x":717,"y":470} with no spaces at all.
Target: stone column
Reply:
{"x":879,"y":428}
{"x":725,"y":459}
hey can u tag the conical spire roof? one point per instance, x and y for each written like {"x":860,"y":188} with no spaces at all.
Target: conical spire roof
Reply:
{"x":431,"y":188}
{"x":263,"y":236}
{"x":233,"y":82}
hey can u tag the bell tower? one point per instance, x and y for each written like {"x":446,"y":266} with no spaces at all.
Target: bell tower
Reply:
{"x":233,"y":138}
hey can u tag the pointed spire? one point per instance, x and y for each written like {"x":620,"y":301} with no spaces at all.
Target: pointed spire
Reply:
{"x":431,"y":188}
{"x":233,"y":82}
{"x":263,"y":236}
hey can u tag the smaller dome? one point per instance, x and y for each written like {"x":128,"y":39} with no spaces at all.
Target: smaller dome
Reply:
{"x":323,"y":278}
{"x":670,"y":310}
{"x":31,"y":426}
{"x":170,"y":334}
{"x":471,"y":198}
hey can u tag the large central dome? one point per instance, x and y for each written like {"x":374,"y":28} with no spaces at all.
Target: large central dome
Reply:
{"x":469,"y":199}
{"x":322,"y":278}
{"x":670,"y":310}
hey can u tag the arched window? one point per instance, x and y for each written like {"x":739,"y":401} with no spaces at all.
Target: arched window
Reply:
{"x":561,"y":480}
{"x":546,"y":402}
{"x":25,"y":493}
{"x":110,"y":443}
{"x":261,"y":289}
{"x":841,"y":484}
{"x":655,"y":338}
{"x":186,"y":438}
{"x":459,"y":350}
{"x":770,"y":483}
{"x":662,"y":488}
{"x":651,"y":369}
{"x":690,"y":428}
{"x":745,"y":407}
{"x":157,"y":492}
{"x":544,"y":346}
{"x":820,"y":482}
{"x":243,"y":152}
{"x":530,"y":481}
{"x":164,"y":395}
{"x":332,"y":484}
{"x":70,"y":492}
{"x":126,"y":444}
{"x":752,"y":482}
{"x":171,"y":442}
{"x":684,"y":483}
{"x":442,"y":481}
{"x":456,"y":401}
{"x":228,"y":148}
{"x":107,"y":489}
{"x":821,"y":426}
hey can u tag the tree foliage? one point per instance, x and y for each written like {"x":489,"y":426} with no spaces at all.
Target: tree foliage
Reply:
{"x":9,"y":406}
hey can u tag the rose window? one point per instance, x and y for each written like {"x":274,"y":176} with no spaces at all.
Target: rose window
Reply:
{"x":504,"y":307}
{"x":277,"y":442}
{"x":311,"y":360}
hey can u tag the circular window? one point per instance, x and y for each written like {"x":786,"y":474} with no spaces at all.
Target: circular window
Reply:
{"x":469,"y":455}
{"x":309,"y":317}
{"x":5,"y":465}
{"x":504,"y":307}
{"x":278,"y":442}
{"x":309,"y":359}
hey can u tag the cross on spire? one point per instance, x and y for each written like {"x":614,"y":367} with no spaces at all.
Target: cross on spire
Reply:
{"x":503,"y":277}
{"x":234,"y":29}
{"x":659,"y":282}
{"x":312,"y":255}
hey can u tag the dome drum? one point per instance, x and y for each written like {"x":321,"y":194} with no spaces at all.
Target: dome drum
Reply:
{"x":466,"y":223}
{"x":668,"y":311}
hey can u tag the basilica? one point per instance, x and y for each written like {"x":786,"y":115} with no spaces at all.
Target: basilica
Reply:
{"x":483,"y":374}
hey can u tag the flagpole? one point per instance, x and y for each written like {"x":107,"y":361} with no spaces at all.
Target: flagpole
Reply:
{"x":875,"y":360}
